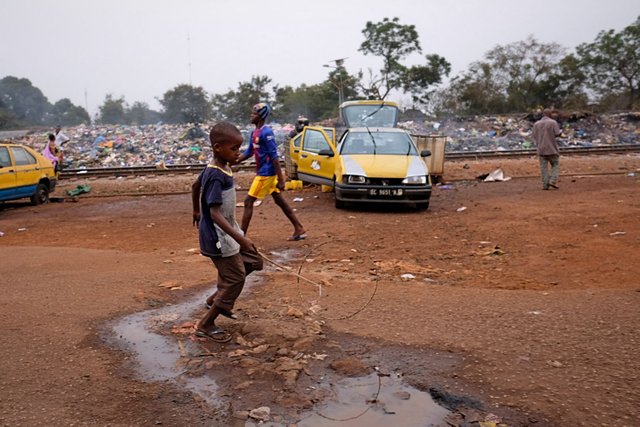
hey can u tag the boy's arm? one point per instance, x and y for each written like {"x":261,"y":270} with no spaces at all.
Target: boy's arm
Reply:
{"x":195,"y":200}
{"x":245,"y":243}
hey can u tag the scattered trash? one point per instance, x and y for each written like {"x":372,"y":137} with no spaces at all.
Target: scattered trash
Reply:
{"x":555,"y":363}
{"x":496,"y":251}
{"x":534,"y":312}
{"x":496,"y":175}
{"x":80,"y":189}
{"x":407,"y":277}
{"x":446,"y":187}
{"x":298,"y":199}
{"x":618,"y":233}
{"x":22,"y":229}
{"x":461,"y":209}
{"x":255,"y":204}
{"x":1,"y":234}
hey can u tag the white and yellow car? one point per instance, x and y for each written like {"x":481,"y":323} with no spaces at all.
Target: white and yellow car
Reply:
{"x":373,"y":162}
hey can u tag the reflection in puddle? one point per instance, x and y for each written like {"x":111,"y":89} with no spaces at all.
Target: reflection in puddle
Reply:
{"x":397,"y":404}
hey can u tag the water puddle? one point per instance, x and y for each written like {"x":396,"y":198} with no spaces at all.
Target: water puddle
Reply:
{"x":156,"y":355}
{"x":374,"y":401}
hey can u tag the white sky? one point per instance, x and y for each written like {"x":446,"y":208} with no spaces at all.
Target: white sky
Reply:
{"x":139,"y":48}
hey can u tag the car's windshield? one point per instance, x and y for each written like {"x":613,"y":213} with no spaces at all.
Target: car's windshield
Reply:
{"x":385,"y":143}
{"x":371,"y":115}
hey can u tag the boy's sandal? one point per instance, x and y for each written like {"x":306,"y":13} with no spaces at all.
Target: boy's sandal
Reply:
{"x":216,"y":334}
{"x":297,"y":237}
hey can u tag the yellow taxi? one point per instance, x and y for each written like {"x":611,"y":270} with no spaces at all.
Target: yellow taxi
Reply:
{"x":372,"y":162}
{"x":25,"y":173}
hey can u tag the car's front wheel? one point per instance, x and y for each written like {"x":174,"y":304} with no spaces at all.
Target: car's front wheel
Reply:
{"x":41,"y":195}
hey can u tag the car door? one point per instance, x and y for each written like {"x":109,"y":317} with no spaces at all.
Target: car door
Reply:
{"x":27,"y":171}
{"x":316,"y":158}
{"x":7,"y":175}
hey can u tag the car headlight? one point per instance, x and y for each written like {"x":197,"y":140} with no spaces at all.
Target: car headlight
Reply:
{"x":420,"y":179}
{"x":355,"y":179}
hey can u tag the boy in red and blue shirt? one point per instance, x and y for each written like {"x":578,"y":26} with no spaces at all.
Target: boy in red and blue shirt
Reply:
{"x":269,"y":178}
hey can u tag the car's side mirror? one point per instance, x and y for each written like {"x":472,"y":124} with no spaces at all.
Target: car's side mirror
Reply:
{"x":327,"y":153}
{"x":425,"y":153}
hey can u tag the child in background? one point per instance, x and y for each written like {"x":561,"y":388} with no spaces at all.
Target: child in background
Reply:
{"x":269,"y":179}
{"x":221,"y":239}
{"x":52,"y":153}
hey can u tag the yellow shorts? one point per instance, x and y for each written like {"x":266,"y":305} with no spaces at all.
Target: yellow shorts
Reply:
{"x":262,"y":186}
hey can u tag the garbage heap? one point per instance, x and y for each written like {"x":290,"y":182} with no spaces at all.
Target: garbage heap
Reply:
{"x":102,"y":146}
{"x":513,"y":132}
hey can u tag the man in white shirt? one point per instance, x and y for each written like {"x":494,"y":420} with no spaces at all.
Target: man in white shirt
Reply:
{"x":61,"y":138}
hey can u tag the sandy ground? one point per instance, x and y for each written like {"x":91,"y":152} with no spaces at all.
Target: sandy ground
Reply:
{"x":524,"y":305}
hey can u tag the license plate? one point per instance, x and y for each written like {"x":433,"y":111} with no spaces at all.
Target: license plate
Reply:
{"x":385,"y":192}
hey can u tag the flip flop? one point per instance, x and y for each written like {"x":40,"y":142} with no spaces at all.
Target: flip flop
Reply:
{"x":225,"y":313}
{"x":297,"y":237}
{"x":216,"y":334}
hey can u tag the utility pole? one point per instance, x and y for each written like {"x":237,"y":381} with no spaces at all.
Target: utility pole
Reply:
{"x":339,"y":67}
{"x":189,"y":53}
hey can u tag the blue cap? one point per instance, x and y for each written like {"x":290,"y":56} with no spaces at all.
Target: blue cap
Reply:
{"x":262,"y":109}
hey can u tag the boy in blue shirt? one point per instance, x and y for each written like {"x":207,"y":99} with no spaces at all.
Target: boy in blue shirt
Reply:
{"x":269,"y":178}
{"x":221,"y":239}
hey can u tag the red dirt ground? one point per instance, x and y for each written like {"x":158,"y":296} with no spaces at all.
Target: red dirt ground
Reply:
{"x":526,"y":302}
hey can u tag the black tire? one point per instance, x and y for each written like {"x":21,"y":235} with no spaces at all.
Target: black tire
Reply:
{"x":422,"y":206}
{"x":41,"y":195}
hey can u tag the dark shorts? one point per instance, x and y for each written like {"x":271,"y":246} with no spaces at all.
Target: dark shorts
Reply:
{"x":232,"y":272}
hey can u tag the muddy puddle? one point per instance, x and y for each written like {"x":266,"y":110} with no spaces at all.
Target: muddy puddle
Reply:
{"x":374,"y":400}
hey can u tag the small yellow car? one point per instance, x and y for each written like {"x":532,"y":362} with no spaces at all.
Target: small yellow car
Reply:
{"x":25,"y":173}
{"x":373,"y":161}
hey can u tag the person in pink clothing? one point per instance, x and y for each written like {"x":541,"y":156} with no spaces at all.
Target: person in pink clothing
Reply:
{"x":52,"y":153}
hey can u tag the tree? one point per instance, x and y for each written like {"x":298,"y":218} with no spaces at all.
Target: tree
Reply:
{"x":112,"y":111}
{"x":186,"y":104}
{"x":64,"y":113}
{"x":23,"y":101}
{"x":235,"y":105}
{"x":512,"y":77}
{"x":611,"y":63}
{"x":316,"y":102}
{"x":140,"y":114}
{"x":418,"y":79}
{"x":394,"y":42}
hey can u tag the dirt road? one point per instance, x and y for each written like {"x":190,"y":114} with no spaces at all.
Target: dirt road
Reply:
{"x":524,"y":305}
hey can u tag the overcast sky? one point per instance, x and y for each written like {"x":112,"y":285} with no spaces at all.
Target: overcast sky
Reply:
{"x":139,"y":49}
